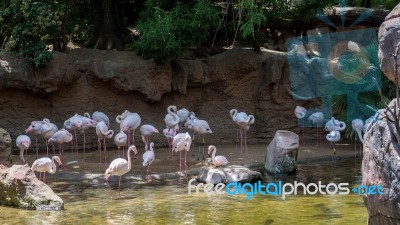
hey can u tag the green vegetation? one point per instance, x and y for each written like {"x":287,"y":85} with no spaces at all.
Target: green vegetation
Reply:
{"x":165,"y":28}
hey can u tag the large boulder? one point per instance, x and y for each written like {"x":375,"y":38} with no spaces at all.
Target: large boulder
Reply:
{"x":19,"y":187}
{"x":281,"y":153}
{"x":227,"y":174}
{"x":389,"y":38}
{"x":381,"y":166}
{"x":5,"y":147}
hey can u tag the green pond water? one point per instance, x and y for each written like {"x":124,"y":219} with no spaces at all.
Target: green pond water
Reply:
{"x":170,"y":203}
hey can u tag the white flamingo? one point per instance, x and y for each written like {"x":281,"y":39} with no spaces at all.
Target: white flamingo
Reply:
{"x":44,"y":165}
{"x":23,"y":142}
{"x":149,"y":156}
{"x":333,"y":137}
{"x":60,"y":137}
{"x":48,"y":130}
{"x":300,"y":113}
{"x":334,"y":124}
{"x":87,"y":123}
{"x":72,"y":124}
{"x":147,"y":131}
{"x":98,"y":117}
{"x":201,"y":127}
{"x":103,"y":133}
{"x":172,"y":119}
{"x":181,"y":142}
{"x":216,"y":160}
{"x":243,"y":121}
{"x":169,"y":134}
{"x":120,"y":140}
{"x":357,"y":126}
{"x":317,"y":119}
{"x":119,"y":167}
{"x":183,"y":115}
{"x":35,"y":128}
{"x":129,"y":122}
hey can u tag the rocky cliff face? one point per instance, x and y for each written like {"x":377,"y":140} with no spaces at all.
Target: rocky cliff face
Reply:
{"x":85,"y":80}
{"x":381,"y":161}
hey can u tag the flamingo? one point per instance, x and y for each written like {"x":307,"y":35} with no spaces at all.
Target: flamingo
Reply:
{"x":367,"y":123}
{"x":103,"y":132}
{"x":48,"y":130}
{"x":183,"y":115}
{"x":120,"y":140}
{"x":62,"y":136}
{"x":129,"y":122}
{"x":119,"y":167}
{"x":300,"y":114}
{"x":243,"y":121}
{"x":35,"y":129}
{"x":334,"y":124}
{"x":86,"y":124}
{"x":72,"y":124}
{"x":44,"y":165}
{"x":216,"y":160}
{"x":333,"y":136}
{"x":147,"y":130}
{"x":358,"y":125}
{"x":181,"y":142}
{"x":23,"y":142}
{"x":169,"y":134}
{"x":149,"y":156}
{"x":172,"y":118}
{"x":201,"y":127}
{"x":317,"y":119}
{"x":98,"y":117}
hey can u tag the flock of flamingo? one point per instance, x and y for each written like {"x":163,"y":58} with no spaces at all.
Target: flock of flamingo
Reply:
{"x":175,"y":121}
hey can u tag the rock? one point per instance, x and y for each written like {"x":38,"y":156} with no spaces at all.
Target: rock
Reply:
{"x":20,"y":188}
{"x":381,"y":165}
{"x":281,"y":153}
{"x":5,"y":147}
{"x":227,"y":174}
{"x":389,"y":38}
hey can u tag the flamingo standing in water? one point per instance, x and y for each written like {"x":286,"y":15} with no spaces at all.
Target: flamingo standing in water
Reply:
{"x":300,"y":113}
{"x":62,"y":136}
{"x":148,"y":156}
{"x":48,"y":130}
{"x":216,"y":160}
{"x":317,"y":119}
{"x":23,"y":142}
{"x":72,"y":124}
{"x":243,"y":121}
{"x":119,"y":167}
{"x":169,"y":134}
{"x":35,"y":129}
{"x":86,"y":124}
{"x":103,"y":132}
{"x":120,"y":140}
{"x":358,"y":125}
{"x":147,"y":130}
{"x":181,"y":142}
{"x":129,"y":122}
{"x":201,"y":127}
{"x":44,"y":165}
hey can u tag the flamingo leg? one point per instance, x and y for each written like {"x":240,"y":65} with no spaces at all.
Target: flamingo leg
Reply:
{"x":105,"y":149}
{"x":44,"y":176}
{"x":76,"y":142}
{"x":119,"y":186}
{"x":84,"y":147}
{"x":245,"y":141}
{"x":241,"y":140}
{"x":118,"y":150}
{"x":54,"y":152}
{"x":185,"y":161}
{"x":47,"y":148}
{"x":180,"y":163}
{"x":99,"y":147}
{"x":37,"y":148}
{"x":108,"y":184}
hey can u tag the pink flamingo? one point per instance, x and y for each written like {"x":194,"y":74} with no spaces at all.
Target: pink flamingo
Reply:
{"x":119,"y":167}
{"x":62,"y":136}
{"x":243,"y":121}
{"x":86,"y":124}
{"x":103,"y":132}
{"x":147,"y":130}
{"x":149,"y":156}
{"x":216,"y":160}
{"x":23,"y":142}
{"x":169,"y":134}
{"x":72,"y":124}
{"x":181,"y":142}
{"x":120,"y":140}
{"x":35,"y":129}
{"x":129,"y":122}
{"x":48,"y":130}
{"x":44,"y":165}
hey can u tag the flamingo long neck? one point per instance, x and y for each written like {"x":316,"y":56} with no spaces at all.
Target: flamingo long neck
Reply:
{"x":234,"y":113}
{"x":214,"y":151}
{"x":53,"y":166}
{"x":251,"y":119}
{"x":21,"y":155}
{"x":129,"y":156}
{"x":360,"y":136}
{"x":173,"y":114}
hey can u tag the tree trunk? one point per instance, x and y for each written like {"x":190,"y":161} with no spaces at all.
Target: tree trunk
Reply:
{"x":109,"y":32}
